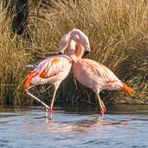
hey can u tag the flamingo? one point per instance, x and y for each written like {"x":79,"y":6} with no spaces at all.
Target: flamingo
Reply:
{"x":55,"y":69}
{"x":92,"y":74}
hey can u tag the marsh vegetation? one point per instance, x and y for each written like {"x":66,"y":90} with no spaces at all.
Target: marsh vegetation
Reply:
{"x":118,"y":34}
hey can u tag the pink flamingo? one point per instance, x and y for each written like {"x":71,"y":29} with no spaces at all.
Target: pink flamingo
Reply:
{"x":93,"y":74}
{"x":55,"y":69}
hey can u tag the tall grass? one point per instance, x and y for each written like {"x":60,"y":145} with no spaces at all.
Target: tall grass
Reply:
{"x":118,"y":34}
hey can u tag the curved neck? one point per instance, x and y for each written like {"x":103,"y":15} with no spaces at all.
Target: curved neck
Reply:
{"x":80,"y":51}
{"x":72,"y":51}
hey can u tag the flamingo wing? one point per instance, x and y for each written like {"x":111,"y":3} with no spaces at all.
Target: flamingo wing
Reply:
{"x":102,"y":71}
{"x":50,"y":68}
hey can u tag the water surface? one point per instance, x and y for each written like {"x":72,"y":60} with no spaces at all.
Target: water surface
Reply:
{"x":123,"y":126}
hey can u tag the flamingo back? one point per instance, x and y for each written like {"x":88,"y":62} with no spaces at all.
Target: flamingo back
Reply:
{"x":93,"y":75}
{"x":52,"y":70}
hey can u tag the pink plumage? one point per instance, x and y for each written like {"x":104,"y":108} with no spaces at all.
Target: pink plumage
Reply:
{"x":55,"y":69}
{"x":94,"y":75}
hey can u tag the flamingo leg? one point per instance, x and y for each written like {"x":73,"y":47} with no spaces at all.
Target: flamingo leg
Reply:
{"x":50,"y":110}
{"x":102,"y":106}
{"x":31,"y":95}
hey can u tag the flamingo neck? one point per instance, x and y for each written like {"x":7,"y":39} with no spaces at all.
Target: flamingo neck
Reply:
{"x":72,"y":55}
{"x":80,"y":51}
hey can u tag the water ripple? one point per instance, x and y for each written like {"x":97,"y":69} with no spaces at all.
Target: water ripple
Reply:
{"x":30,"y":128}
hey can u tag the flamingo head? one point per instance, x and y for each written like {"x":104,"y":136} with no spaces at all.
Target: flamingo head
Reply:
{"x":86,"y":48}
{"x":83,"y":50}
{"x":81,"y":38}
{"x":86,"y":51}
{"x":63,"y":43}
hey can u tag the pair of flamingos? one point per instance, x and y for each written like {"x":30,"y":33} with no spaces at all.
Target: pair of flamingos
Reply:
{"x":89,"y":73}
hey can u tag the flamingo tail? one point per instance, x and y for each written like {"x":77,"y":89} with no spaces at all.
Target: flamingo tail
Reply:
{"x":28,"y":79}
{"x":128,"y":90}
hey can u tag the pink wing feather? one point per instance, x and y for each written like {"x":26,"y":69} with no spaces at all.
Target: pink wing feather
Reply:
{"x":48,"y":68}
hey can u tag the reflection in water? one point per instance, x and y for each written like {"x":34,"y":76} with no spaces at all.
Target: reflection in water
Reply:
{"x":73,"y":128}
{"x":82,"y":125}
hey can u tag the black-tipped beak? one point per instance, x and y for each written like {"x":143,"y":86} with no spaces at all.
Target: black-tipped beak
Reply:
{"x":60,"y":53}
{"x":85,"y":53}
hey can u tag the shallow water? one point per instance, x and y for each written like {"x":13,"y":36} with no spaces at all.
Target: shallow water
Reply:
{"x":123,"y":126}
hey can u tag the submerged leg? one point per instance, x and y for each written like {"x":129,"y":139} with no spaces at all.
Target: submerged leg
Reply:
{"x":50,"y":110}
{"x":102,"y":106}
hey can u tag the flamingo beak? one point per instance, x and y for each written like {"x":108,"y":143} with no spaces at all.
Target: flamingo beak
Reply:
{"x":60,"y":53}
{"x":85,"y":53}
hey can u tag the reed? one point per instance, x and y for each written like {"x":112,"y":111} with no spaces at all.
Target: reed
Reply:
{"x":118,"y":34}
